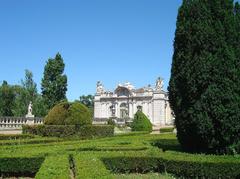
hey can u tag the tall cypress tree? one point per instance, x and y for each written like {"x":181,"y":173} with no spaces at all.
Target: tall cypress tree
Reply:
{"x":203,"y":89}
{"x":237,"y":23}
{"x":54,"y":82}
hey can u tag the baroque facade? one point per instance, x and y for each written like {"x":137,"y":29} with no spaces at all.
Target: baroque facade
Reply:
{"x":125,"y":101}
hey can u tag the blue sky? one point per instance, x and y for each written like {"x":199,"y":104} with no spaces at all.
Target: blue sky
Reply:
{"x":113,"y":41}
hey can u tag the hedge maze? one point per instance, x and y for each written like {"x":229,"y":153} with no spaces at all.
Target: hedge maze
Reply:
{"x":137,"y":155}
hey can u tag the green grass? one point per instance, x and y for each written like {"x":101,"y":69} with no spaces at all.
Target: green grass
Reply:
{"x":137,"y":155}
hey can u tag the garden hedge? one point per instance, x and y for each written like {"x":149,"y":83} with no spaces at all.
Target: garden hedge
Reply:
{"x":179,"y":167}
{"x":112,"y":158}
{"x":70,"y":130}
{"x":20,"y":167}
{"x":167,"y":129}
{"x":15,"y":136}
{"x":54,"y":167}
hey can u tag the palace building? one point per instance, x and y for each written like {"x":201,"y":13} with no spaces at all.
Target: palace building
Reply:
{"x":126,"y":100}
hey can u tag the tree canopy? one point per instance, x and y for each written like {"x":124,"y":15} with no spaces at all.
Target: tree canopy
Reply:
{"x":14,"y":99}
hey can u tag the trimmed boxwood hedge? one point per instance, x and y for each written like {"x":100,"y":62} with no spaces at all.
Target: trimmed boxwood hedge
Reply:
{"x":70,"y":130}
{"x":132,"y":164}
{"x":167,"y":144}
{"x":181,"y":168}
{"x":120,"y":154}
{"x":167,"y":129}
{"x":20,"y":167}
{"x":54,"y":167}
{"x":15,"y":136}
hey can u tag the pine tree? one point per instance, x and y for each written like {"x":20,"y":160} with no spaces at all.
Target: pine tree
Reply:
{"x":54,"y":82}
{"x":203,"y":88}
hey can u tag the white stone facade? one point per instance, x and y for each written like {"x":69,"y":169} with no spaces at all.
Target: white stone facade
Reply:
{"x":125,"y":101}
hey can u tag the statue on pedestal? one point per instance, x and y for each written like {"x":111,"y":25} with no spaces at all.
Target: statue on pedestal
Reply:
{"x":29,"y":114}
{"x":100,"y":88}
{"x":159,"y":84}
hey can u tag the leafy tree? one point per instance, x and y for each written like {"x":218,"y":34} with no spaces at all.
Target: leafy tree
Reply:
{"x":87,"y":100}
{"x":24,"y":94}
{"x":39,"y":107}
{"x":21,"y":101}
{"x":141,"y":122}
{"x":204,"y":84}
{"x":6,"y":99}
{"x":54,"y":82}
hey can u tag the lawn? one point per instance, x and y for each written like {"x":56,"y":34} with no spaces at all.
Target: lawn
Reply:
{"x":136,"y":155}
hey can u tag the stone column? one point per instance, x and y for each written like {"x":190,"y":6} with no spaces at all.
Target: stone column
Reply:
{"x":158,"y":108}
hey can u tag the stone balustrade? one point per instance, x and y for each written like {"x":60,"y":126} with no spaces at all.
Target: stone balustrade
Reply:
{"x":17,"y":122}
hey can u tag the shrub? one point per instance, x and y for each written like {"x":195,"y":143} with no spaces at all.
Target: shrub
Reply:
{"x":66,"y":113}
{"x":50,"y":130}
{"x":96,"y":131}
{"x":88,"y":131}
{"x":111,"y":121}
{"x":38,"y":140}
{"x":23,"y":167}
{"x":182,"y":167}
{"x":167,"y":129}
{"x":15,"y":136}
{"x":141,"y":122}
{"x":167,"y":144}
{"x":58,"y":165}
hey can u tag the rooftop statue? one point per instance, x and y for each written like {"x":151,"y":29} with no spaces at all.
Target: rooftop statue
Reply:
{"x":159,"y":84}
{"x":100,"y":88}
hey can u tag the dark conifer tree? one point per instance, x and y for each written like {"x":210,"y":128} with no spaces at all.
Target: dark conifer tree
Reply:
{"x":237,"y":23}
{"x":203,"y":88}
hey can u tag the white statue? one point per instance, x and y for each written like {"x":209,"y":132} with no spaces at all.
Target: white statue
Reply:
{"x":30,"y":108}
{"x":29,"y":115}
{"x":159,"y":84}
{"x":100,"y":88}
